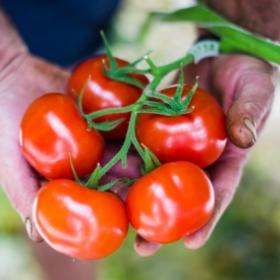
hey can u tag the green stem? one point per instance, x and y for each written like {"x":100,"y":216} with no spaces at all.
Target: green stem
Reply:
{"x":134,"y":109}
{"x":130,"y":137}
{"x":109,"y":111}
{"x":234,"y":39}
{"x":186,"y":59}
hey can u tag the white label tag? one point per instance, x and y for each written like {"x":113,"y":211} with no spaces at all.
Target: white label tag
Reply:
{"x":204,"y":49}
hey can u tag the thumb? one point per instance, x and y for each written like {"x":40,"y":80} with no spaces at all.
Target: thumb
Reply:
{"x":250,"y":109}
{"x":17,"y":179}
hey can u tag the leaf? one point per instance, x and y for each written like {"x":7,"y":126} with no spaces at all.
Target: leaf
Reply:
{"x":119,"y":76}
{"x":112,"y":60}
{"x":150,"y":161}
{"x":107,"y":125}
{"x":107,"y":186}
{"x":233,"y":38}
{"x":125,"y":181}
{"x":190,"y":95}
{"x":94,"y":177}
{"x":180,"y":87}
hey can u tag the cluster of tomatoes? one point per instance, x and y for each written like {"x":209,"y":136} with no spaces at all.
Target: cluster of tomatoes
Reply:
{"x":171,"y":201}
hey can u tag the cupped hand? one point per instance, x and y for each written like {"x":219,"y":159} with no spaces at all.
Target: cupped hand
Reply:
{"x":22,"y":80}
{"x":244,"y":86}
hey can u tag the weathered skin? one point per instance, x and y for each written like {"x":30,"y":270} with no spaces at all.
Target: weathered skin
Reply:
{"x":242,"y":83}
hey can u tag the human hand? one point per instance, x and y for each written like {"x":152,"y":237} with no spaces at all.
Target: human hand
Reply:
{"x":244,"y":86}
{"x":22,"y":80}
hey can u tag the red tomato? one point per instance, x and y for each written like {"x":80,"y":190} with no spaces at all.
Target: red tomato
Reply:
{"x":102,"y":92}
{"x":199,"y":137}
{"x":52,"y":129}
{"x":78,"y":222}
{"x":172,"y":201}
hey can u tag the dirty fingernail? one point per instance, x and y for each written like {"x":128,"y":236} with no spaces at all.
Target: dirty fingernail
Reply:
{"x":251,"y":128}
{"x":32,"y":234}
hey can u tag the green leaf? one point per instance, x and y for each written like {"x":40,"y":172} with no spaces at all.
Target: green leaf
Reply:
{"x":94,"y":177}
{"x":106,"y":187}
{"x":107,"y":125}
{"x":234,"y":39}
{"x":150,"y":161}
{"x":112,"y":60}
{"x":180,"y":86}
{"x":118,"y":76}
{"x":190,"y":95}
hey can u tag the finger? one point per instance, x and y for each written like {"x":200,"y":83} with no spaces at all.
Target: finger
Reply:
{"x":145,"y":248}
{"x":200,"y":70}
{"x":16,"y":178}
{"x":246,"y":116}
{"x":225,"y":176}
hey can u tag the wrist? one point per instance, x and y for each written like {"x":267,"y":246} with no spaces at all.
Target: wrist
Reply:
{"x":11,"y":45}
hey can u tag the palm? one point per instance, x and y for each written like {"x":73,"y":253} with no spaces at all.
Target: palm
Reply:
{"x":244,"y":87}
{"x":22,"y":81}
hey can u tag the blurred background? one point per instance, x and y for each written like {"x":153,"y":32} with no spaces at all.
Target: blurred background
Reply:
{"x":245,"y":244}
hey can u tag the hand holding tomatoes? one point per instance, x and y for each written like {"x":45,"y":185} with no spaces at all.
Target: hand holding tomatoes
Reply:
{"x":23,"y":79}
{"x":242,"y":84}
{"x":166,"y":204}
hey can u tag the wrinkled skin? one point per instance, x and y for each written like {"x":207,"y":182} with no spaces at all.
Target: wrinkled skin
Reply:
{"x":244,"y":86}
{"x":21,"y":81}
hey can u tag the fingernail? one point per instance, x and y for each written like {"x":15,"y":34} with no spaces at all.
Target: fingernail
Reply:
{"x":30,"y":231}
{"x":250,"y":126}
{"x":145,"y":248}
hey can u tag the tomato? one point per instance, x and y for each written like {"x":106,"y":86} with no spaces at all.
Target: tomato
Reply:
{"x":79,"y":222}
{"x":51,"y":130}
{"x":170,"y":202}
{"x":102,"y":92}
{"x":199,"y":136}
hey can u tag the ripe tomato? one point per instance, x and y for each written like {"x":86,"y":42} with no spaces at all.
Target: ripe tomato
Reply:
{"x":82,"y":223}
{"x":102,"y":92}
{"x":172,"y":201}
{"x":52,"y":129}
{"x":199,"y":136}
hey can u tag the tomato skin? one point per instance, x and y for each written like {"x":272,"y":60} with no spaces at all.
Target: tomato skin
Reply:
{"x":102,"y":92}
{"x":52,"y":129}
{"x":199,"y":136}
{"x":170,"y":202}
{"x":78,"y":222}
